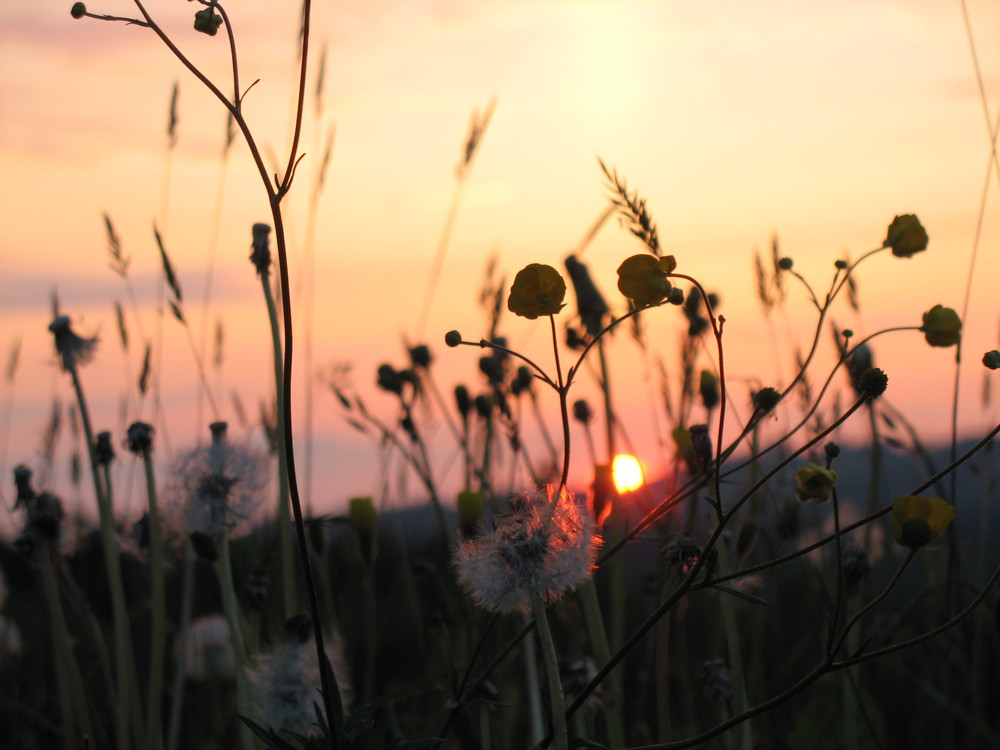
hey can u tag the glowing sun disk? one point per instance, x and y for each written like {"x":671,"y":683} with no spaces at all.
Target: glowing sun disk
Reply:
{"x":627,"y":473}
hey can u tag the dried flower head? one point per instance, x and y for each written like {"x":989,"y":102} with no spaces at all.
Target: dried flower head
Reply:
{"x":217,"y":488}
{"x":544,"y":546}
{"x":72,"y":348}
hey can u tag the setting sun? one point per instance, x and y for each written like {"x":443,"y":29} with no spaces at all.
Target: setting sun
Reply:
{"x":627,"y":473}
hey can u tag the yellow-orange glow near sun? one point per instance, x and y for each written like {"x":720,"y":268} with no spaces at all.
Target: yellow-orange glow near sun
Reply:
{"x":627,"y":472}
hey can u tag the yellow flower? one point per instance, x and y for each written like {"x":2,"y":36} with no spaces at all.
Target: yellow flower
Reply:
{"x":906,"y":236}
{"x":643,"y":278}
{"x":917,"y":520}
{"x":942,"y":326}
{"x":815,"y":482}
{"x":537,"y":290}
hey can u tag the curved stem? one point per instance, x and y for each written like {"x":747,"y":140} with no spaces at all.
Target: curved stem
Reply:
{"x":563,"y":390}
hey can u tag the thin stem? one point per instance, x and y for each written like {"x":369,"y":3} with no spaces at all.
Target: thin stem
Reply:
{"x":284,"y":514}
{"x":563,"y":391}
{"x":874,"y":602}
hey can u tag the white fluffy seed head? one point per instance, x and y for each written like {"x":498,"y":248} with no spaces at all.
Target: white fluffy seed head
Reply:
{"x":545,"y":546}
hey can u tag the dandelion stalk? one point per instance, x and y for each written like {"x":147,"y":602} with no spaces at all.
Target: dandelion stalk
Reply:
{"x":261,"y":258}
{"x":599,"y":641}
{"x":74,"y":716}
{"x":75,"y":350}
{"x":224,"y":570}
{"x":557,"y":704}
{"x":140,"y":442}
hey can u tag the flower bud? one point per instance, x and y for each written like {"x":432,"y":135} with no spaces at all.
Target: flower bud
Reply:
{"x":79,"y":10}
{"x":942,"y":326}
{"x":831,"y":450}
{"x":522,"y":381}
{"x":471,"y":505}
{"x":103,"y":451}
{"x":582,"y":412}
{"x":453,"y":339}
{"x":708,"y":386}
{"x":992,"y":359}
{"x":207,"y":21}
{"x":420,"y":357}
{"x":463,"y":401}
{"x":589,"y":302}
{"x":261,"y":248}
{"x":389,"y":379}
{"x":785,"y":264}
{"x":906,"y":236}
{"x":484,"y":405}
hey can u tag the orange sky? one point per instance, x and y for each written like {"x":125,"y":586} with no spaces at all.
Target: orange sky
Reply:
{"x":817,"y":121}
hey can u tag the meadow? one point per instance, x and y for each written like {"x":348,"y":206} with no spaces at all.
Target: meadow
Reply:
{"x":801,"y":569}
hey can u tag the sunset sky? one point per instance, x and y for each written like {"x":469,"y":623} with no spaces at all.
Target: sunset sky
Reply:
{"x":813,"y":121}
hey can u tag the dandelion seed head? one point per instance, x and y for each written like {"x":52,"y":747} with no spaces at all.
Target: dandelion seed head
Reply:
{"x":208,"y":649}
{"x":545,"y":546}
{"x":285,"y":680}
{"x":216,"y":489}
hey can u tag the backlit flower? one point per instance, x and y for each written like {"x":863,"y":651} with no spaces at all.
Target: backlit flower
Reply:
{"x":537,"y":290}
{"x":544,"y":546}
{"x":942,"y":326}
{"x":815,"y":482}
{"x":643,"y":278}
{"x":906,"y":236}
{"x":917,"y":520}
